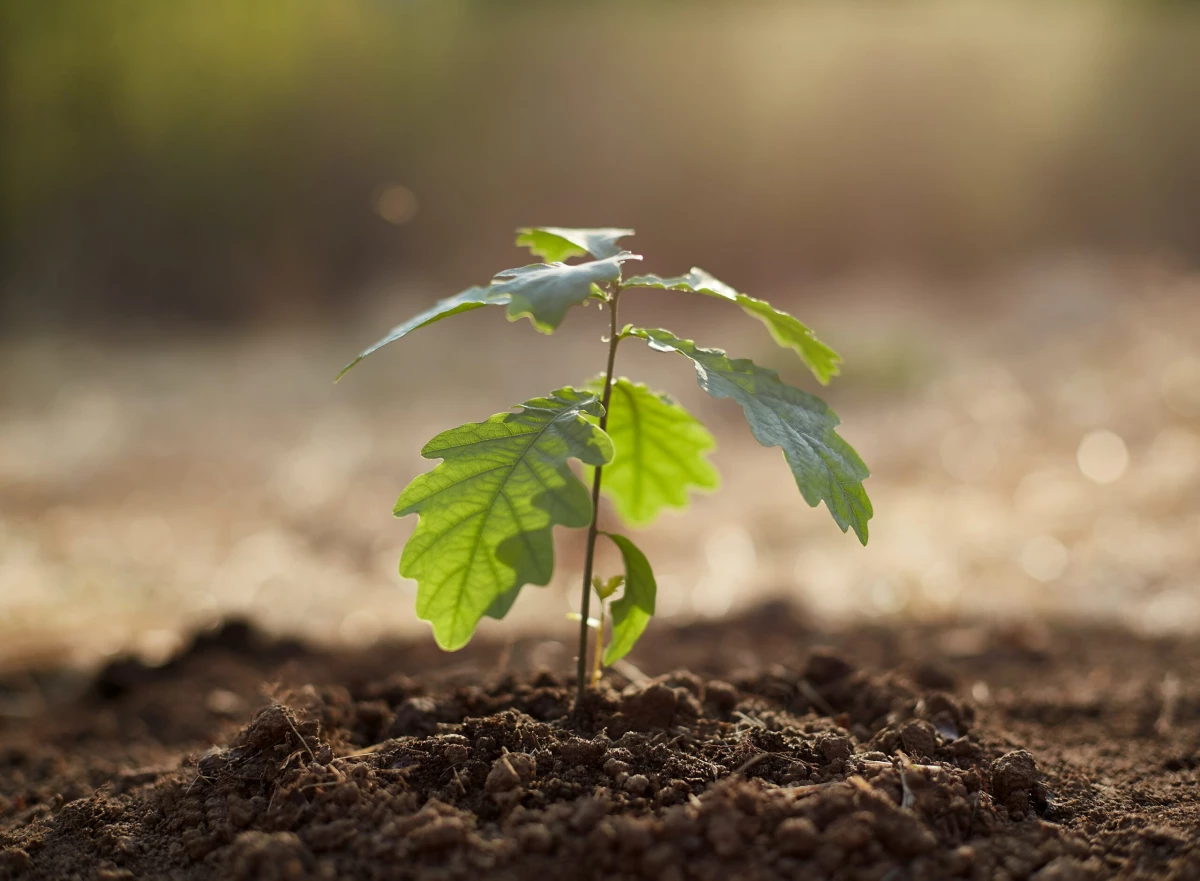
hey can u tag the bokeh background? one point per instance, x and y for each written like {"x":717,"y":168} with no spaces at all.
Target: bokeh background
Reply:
{"x":992,"y":209}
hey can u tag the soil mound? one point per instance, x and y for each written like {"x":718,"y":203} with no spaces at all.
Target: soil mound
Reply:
{"x":824,"y":763}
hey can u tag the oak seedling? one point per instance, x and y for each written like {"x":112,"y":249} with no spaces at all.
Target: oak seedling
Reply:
{"x":487,"y":510}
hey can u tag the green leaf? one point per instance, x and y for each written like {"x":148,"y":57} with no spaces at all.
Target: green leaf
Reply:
{"x":633,"y":611}
{"x":546,"y":291}
{"x":471,"y":298}
{"x":606,"y":588}
{"x":785,"y":329}
{"x":661,"y":451}
{"x":556,"y":243}
{"x":502,"y":604}
{"x":826,"y":468}
{"x":487,"y":510}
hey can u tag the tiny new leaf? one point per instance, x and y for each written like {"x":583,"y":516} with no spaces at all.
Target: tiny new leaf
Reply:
{"x":487,"y":510}
{"x":661,"y":451}
{"x":555,"y":244}
{"x":545,"y":292}
{"x":826,"y":468}
{"x":785,"y":329}
{"x":633,"y":611}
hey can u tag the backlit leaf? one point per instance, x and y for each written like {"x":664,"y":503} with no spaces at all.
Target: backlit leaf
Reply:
{"x":633,"y":611}
{"x":487,"y":510}
{"x":661,"y":451}
{"x":785,"y":329}
{"x":826,"y":468}
{"x":502,"y":604}
{"x":545,"y":292}
{"x":557,"y":243}
{"x":471,"y":298}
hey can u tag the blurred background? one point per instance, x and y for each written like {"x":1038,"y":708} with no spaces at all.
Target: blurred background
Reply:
{"x":992,"y":209}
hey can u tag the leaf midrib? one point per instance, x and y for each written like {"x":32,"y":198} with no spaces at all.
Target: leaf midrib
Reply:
{"x":477,"y":541}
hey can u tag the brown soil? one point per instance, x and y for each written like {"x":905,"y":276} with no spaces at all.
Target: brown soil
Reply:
{"x":955,"y":751}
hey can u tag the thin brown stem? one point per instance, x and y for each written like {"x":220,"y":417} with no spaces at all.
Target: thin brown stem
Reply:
{"x":614,"y":337}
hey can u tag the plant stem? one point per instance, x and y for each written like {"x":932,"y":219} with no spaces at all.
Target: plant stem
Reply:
{"x":614,"y":337}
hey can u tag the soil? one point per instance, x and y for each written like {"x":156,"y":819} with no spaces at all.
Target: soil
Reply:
{"x":755,"y":748}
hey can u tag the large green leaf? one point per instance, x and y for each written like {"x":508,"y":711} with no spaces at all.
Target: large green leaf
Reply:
{"x":557,"y":243}
{"x":471,"y":298}
{"x":545,"y":292}
{"x":826,"y":468}
{"x":487,"y":510}
{"x":661,"y":451}
{"x":633,"y":611}
{"x":785,"y":329}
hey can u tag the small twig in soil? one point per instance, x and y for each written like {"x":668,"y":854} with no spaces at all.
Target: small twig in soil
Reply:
{"x":750,"y":720}
{"x":747,"y":765}
{"x":366,"y":751}
{"x":912,"y":765}
{"x":809,"y":788}
{"x":199,"y":777}
{"x":303,"y":742}
{"x":318,"y":785}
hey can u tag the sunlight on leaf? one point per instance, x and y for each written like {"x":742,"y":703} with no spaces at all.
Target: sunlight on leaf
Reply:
{"x":785,"y":329}
{"x":487,"y":511}
{"x":661,"y":451}
{"x":545,"y":292}
{"x":826,"y":468}
{"x":557,"y":243}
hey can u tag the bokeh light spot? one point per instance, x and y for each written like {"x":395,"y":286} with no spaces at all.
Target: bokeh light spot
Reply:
{"x":1102,"y":456}
{"x":396,"y":203}
{"x":1045,"y":558}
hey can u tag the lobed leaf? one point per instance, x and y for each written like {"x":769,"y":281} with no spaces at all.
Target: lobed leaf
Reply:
{"x":488,"y":509}
{"x":471,"y":298}
{"x":785,"y":329}
{"x":825,"y":466}
{"x":557,"y":243}
{"x":545,"y":292}
{"x":661,"y":451}
{"x":633,"y":611}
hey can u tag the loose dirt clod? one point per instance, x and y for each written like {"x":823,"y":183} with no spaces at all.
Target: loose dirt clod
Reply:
{"x":1015,"y":782}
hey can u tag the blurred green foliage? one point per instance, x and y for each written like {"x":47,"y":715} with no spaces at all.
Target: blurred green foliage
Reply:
{"x":217,"y":159}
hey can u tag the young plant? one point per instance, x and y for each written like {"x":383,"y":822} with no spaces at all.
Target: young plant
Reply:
{"x":487,"y":511}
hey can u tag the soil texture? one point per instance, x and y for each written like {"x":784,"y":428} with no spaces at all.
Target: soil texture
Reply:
{"x":756,"y":748}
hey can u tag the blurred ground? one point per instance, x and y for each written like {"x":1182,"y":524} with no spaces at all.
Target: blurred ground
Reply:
{"x":1035,"y":453}
{"x":206,"y":206}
